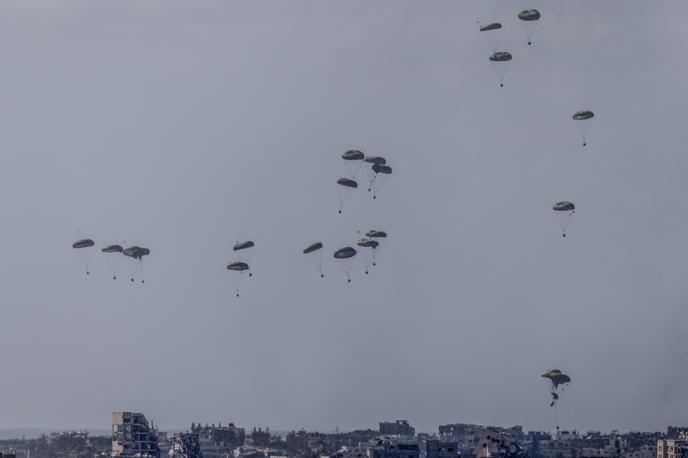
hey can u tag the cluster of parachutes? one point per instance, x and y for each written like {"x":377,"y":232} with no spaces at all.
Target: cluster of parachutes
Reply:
{"x":368,"y":249}
{"x":492,"y":32}
{"x":530,"y":18}
{"x":136,"y":253}
{"x":377,"y":169}
{"x":240,"y":268}
{"x":558,"y":380}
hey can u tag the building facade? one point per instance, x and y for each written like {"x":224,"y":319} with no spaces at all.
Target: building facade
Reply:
{"x":133,"y":436}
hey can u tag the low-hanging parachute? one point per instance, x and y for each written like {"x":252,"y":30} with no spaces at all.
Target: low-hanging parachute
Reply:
{"x":376,"y":234}
{"x":500,"y":61}
{"x":558,"y":381}
{"x":369,"y":247}
{"x":113,"y":249}
{"x":382,"y":172}
{"x":83,"y":246}
{"x":353,"y":160}
{"x":137,"y":253}
{"x":564,"y":210}
{"x":238,"y":269}
{"x":345,"y":259}
{"x":372,"y":161}
{"x":492,"y":32}
{"x":583,"y":120}
{"x":314,"y":254}
{"x":345,"y":188}
{"x":245,"y":252}
{"x":530,"y":19}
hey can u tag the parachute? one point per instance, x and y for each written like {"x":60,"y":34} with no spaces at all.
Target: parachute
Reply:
{"x":137,"y":253}
{"x":373,"y":161}
{"x":83,"y":246}
{"x":346,"y":188}
{"x":380,"y":178}
{"x":345,"y":258}
{"x":114,"y":260}
{"x":370,"y":246}
{"x":492,"y":33}
{"x":564,"y":210}
{"x":557,"y":379}
{"x":583,"y":121}
{"x":376,"y":234}
{"x":530,"y":19}
{"x":314,"y":254}
{"x":500,"y":61}
{"x":238,"y":269}
{"x":353,"y":159}
{"x":245,"y":251}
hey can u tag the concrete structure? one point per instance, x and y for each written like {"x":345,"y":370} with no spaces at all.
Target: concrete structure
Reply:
{"x":394,"y":449}
{"x":218,"y":441}
{"x":397,"y":428}
{"x":133,"y":436}
{"x":441,"y":449}
{"x":672,"y":448}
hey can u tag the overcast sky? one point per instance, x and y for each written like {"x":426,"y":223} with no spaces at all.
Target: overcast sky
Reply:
{"x":185,"y":126}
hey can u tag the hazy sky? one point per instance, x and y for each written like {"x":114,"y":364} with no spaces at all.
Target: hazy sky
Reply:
{"x":185,"y":126}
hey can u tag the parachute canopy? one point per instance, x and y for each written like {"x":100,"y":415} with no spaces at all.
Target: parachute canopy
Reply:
{"x":113,"y":249}
{"x":353,"y":155}
{"x":564,"y":206}
{"x":313,"y":247}
{"x":529,"y":15}
{"x":374,"y":233}
{"x":500,"y":56}
{"x":490,"y":26}
{"x":347,"y":183}
{"x":237,"y":266}
{"x":366,"y":243}
{"x":583,"y":115}
{"x":136,"y":252}
{"x":384,"y":169}
{"x":244,"y":245}
{"x":345,"y":253}
{"x":379,"y":160}
{"x":83,"y":243}
{"x":556,"y":377}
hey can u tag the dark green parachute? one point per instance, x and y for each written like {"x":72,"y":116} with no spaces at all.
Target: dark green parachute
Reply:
{"x":83,"y":243}
{"x":583,"y":120}
{"x":370,"y":246}
{"x":353,"y":159}
{"x":312,"y":247}
{"x":113,"y":260}
{"x":353,"y":155}
{"x":314,"y":254}
{"x":382,"y":172}
{"x":564,"y":210}
{"x":238,"y":266}
{"x":237,"y":270}
{"x":85,"y":254}
{"x":379,"y":160}
{"x":113,"y":249}
{"x":493,"y":34}
{"x":244,"y":245}
{"x":137,"y":253}
{"x":500,"y":61}
{"x":557,"y":379}
{"x":374,"y":233}
{"x":530,"y":19}
{"x":345,"y":189}
{"x":490,"y":26}
{"x":345,"y":258}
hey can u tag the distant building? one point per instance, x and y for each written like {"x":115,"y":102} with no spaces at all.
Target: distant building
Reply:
{"x":185,"y":445}
{"x":260,"y":437}
{"x":397,"y":428}
{"x":441,"y":449}
{"x":218,"y":441}
{"x":133,"y":436}
{"x":394,"y":449}
{"x":672,"y":448}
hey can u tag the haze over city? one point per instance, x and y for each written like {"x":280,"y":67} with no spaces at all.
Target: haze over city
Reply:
{"x":188,"y":126}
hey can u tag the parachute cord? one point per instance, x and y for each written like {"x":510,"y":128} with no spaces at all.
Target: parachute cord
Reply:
{"x":556,"y":418}
{"x":143,"y":280}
